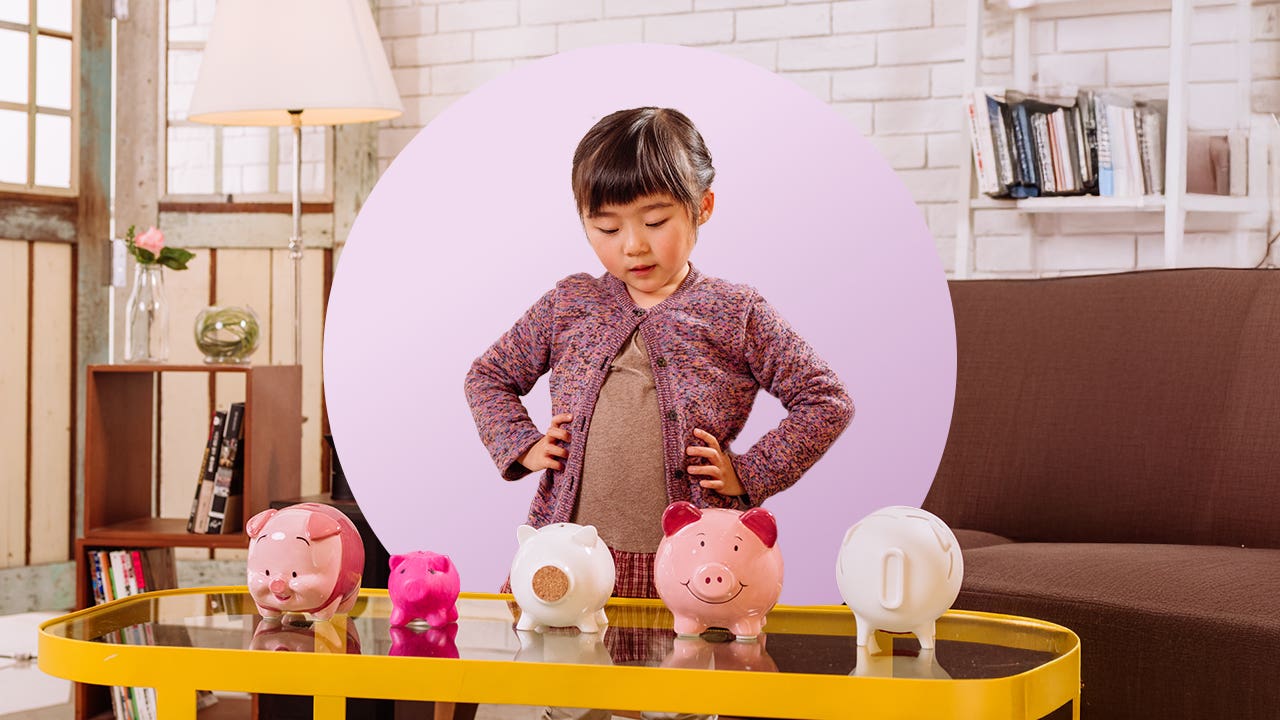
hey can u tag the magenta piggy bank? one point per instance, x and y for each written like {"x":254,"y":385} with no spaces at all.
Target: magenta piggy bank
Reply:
{"x":423,"y":586}
{"x":305,"y":558}
{"x":718,"y":568}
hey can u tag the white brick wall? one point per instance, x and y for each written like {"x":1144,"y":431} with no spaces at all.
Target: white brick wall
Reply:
{"x":892,"y":68}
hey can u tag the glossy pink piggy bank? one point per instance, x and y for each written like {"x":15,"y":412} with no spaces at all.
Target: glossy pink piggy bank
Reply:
{"x":423,"y":586}
{"x":305,"y":558}
{"x":718,"y":568}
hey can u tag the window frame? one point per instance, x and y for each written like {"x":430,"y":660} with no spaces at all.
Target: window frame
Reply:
{"x":219,"y":201}
{"x":29,"y":189}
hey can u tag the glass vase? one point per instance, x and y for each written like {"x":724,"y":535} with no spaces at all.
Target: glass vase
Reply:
{"x":227,"y":335}
{"x":146,"y":328}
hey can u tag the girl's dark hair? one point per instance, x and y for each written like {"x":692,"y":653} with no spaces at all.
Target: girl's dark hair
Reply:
{"x":643,"y":151}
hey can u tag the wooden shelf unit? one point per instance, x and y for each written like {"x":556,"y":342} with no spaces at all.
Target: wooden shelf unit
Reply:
{"x":121,"y":410}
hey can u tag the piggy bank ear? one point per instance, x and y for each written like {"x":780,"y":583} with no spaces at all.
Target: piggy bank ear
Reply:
{"x":322,"y":526}
{"x":524,"y":532}
{"x":587,"y":536}
{"x":396,"y":561}
{"x":677,"y":515}
{"x":762,"y":523}
{"x":439,"y":563}
{"x":257,"y":521}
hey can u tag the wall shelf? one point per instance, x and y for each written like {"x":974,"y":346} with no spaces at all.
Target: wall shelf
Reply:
{"x":1176,"y":203}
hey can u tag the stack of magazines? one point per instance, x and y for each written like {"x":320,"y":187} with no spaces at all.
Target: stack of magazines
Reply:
{"x":1094,"y":144}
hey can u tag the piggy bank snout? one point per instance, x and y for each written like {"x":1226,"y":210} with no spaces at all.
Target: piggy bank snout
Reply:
{"x":278,"y":585}
{"x":714,"y":582}
{"x":551,"y":584}
{"x":415,"y":589}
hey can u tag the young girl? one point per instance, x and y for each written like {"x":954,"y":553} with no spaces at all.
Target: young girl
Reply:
{"x":654,"y":365}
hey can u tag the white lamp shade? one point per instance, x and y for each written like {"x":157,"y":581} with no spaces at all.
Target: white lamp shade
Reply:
{"x":267,"y":57}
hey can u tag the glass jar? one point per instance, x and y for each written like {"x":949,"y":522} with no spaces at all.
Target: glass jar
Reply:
{"x":227,"y":335}
{"x":146,"y":328}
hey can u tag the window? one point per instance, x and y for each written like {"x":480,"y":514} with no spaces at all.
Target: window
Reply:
{"x":37,"y":96}
{"x":228,"y":163}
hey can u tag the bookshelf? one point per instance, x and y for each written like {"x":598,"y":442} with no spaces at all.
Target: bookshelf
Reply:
{"x":1176,"y":202}
{"x":121,"y":415}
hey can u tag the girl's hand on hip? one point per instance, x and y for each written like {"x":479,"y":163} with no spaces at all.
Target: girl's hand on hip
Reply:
{"x":546,"y":453}
{"x":719,"y":472}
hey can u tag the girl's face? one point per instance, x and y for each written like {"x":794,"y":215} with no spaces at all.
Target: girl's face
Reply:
{"x":646,"y":243}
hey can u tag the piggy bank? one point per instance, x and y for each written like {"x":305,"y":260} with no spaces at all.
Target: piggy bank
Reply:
{"x":718,"y":568}
{"x":563,"y":646}
{"x":899,"y":569}
{"x":437,"y":642}
{"x":423,"y":586}
{"x":305,"y":558}
{"x":561,"y":576}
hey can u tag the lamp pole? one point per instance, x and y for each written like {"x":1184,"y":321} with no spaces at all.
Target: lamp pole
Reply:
{"x":295,"y":238}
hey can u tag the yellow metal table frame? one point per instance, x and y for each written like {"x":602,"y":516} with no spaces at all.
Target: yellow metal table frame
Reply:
{"x":67,"y":649}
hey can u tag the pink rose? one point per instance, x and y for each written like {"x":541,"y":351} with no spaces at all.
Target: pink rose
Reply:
{"x":152,"y":240}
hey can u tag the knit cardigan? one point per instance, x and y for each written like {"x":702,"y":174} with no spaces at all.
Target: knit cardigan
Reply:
{"x":712,"y":345}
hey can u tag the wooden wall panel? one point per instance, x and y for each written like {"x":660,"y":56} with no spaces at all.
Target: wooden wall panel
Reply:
{"x":184,"y":397}
{"x":244,"y":277}
{"x":14,"y":306}
{"x":312,"y":340}
{"x":51,"y":339}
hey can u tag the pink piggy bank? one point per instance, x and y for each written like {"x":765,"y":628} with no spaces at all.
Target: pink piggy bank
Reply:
{"x":718,"y":568}
{"x":423,"y":586}
{"x":305,"y":558}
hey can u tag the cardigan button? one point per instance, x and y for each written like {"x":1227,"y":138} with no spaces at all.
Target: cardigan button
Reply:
{"x":637,"y":312}
{"x":671,"y":415}
{"x":662,"y":362}
{"x":679,"y":474}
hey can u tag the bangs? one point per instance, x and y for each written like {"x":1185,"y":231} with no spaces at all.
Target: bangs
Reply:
{"x":641,"y":154}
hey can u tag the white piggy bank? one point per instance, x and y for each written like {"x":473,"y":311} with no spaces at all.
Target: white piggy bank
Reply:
{"x":899,"y":570}
{"x":561,"y":576}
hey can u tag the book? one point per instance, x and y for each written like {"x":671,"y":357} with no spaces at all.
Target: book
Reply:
{"x":204,"y":498}
{"x":992,"y":136}
{"x":230,"y":466}
{"x":982,"y":160}
{"x":1023,"y":145}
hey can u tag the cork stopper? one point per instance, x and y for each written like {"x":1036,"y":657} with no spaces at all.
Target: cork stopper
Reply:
{"x":550,"y":583}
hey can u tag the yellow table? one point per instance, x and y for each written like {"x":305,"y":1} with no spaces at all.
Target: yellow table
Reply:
{"x":806,"y":665}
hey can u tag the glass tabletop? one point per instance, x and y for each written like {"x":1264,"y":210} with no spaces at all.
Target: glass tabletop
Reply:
{"x":797,"y":640}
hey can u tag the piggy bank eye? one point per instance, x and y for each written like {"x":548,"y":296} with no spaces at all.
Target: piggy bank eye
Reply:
{"x":268,"y":573}
{"x":295,"y":574}
{"x":702,"y":543}
{"x":735,"y":548}
{"x":433,"y":572}
{"x":401,"y":571}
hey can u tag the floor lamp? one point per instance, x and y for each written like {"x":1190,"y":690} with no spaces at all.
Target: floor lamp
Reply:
{"x":293,"y":63}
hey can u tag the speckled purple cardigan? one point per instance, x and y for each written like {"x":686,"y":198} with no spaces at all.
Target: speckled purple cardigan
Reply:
{"x":712,"y":345}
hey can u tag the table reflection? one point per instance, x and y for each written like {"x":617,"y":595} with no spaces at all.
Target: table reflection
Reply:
{"x":422,"y":641}
{"x":888,"y":662}
{"x":292,"y":633}
{"x":720,"y":651}
{"x":563,"y":645}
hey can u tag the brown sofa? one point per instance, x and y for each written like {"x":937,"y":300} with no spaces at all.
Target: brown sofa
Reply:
{"x":1114,"y":466}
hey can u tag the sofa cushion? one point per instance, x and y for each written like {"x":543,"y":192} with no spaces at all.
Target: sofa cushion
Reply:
{"x":1162,"y":627}
{"x":1135,"y":407}
{"x":974,"y":539}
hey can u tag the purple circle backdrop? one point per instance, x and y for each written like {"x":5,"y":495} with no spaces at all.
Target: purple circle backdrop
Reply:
{"x":475,"y":220}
